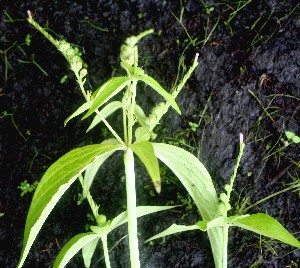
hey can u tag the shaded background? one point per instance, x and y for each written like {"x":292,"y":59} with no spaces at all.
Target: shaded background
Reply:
{"x":247,"y":81}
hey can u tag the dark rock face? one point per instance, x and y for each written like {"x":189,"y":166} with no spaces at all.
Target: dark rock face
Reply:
{"x":247,"y":81}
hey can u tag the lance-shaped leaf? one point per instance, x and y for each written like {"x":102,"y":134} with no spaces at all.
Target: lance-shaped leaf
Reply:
{"x":144,"y":151}
{"x":264,"y":224}
{"x":105,"y":112}
{"x":56,"y":180}
{"x":140,"y":212}
{"x":140,"y":115}
{"x":92,"y":169}
{"x":202,"y":225}
{"x":197,"y":181}
{"x":159,"y":89}
{"x":73,"y":246}
{"x":112,"y":87}
{"x":192,"y":174}
{"x":173,"y":229}
{"x":88,"y":252}
{"x":80,"y":110}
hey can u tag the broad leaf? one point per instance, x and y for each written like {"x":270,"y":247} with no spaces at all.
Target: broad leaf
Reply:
{"x":159,"y":89}
{"x":88,"y":251}
{"x":105,"y":112}
{"x":56,"y":180}
{"x":197,"y":181}
{"x":73,"y":246}
{"x":111,"y":88}
{"x":264,"y":224}
{"x":80,"y":110}
{"x":144,"y":150}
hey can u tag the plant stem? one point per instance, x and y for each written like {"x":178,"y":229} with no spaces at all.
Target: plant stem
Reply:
{"x":105,"y":250}
{"x":241,"y":151}
{"x":109,"y":127}
{"x":225,"y":246}
{"x":131,"y":208}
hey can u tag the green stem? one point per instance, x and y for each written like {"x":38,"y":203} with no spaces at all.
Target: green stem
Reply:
{"x":105,"y":250}
{"x":225,"y":246}
{"x":109,"y":127}
{"x":271,"y":196}
{"x":131,"y":208}
{"x":242,"y":146}
{"x":131,"y":120}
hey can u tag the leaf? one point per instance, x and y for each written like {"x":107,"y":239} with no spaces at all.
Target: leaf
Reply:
{"x":192,"y":174}
{"x":73,"y":246}
{"x":102,"y":231}
{"x":92,"y":169}
{"x":292,"y":136}
{"x":142,"y":134}
{"x":296,"y":139}
{"x":112,"y":87}
{"x":80,"y":110}
{"x":159,"y":89}
{"x":105,"y":112}
{"x":173,"y":229}
{"x":88,"y":252}
{"x":264,"y":224}
{"x":144,"y":151}
{"x":56,"y":180}
{"x":140,"y":212}
{"x":140,"y":115}
{"x":289,"y":134}
{"x":197,"y":181}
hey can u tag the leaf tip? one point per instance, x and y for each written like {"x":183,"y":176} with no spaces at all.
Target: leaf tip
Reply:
{"x":157,"y":186}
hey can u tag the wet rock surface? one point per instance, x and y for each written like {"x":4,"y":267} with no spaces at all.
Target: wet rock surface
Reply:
{"x":247,"y":81}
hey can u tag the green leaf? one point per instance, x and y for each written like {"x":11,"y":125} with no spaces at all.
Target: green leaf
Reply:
{"x":88,"y":252}
{"x":80,"y":110}
{"x":105,"y":112}
{"x":197,"y":181}
{"x":264,"y":224}
{"x":296,"y":139}
{"x":144,"y":150}
{"x":192,"y":174}
{"x":72,"y":247}
{"x":159,"y":89}
{"x":142,"y":134}
{"x":140,"y":212}
{"x":140,"y":115}
{"x":101,"y":230}
{"x":112,"y":87}
{"x":292,"y":136}
{"x":173,"y":229}
{"x":289,"y":134}
{"x":56,"y":180}
{"x":92,"y":169}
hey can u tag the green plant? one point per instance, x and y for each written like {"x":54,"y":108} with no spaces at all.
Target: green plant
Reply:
{"x":26,"y":187}
{"x":83,"y":163}
{"x":260,"y":223}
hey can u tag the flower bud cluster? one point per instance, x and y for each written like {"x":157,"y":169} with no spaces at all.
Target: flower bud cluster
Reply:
{"x":127,"y":54}
{"x":224,"y":205}
{"x":155,"y":115}
{"x":101,"y":220}
{"x":73,"y":56}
